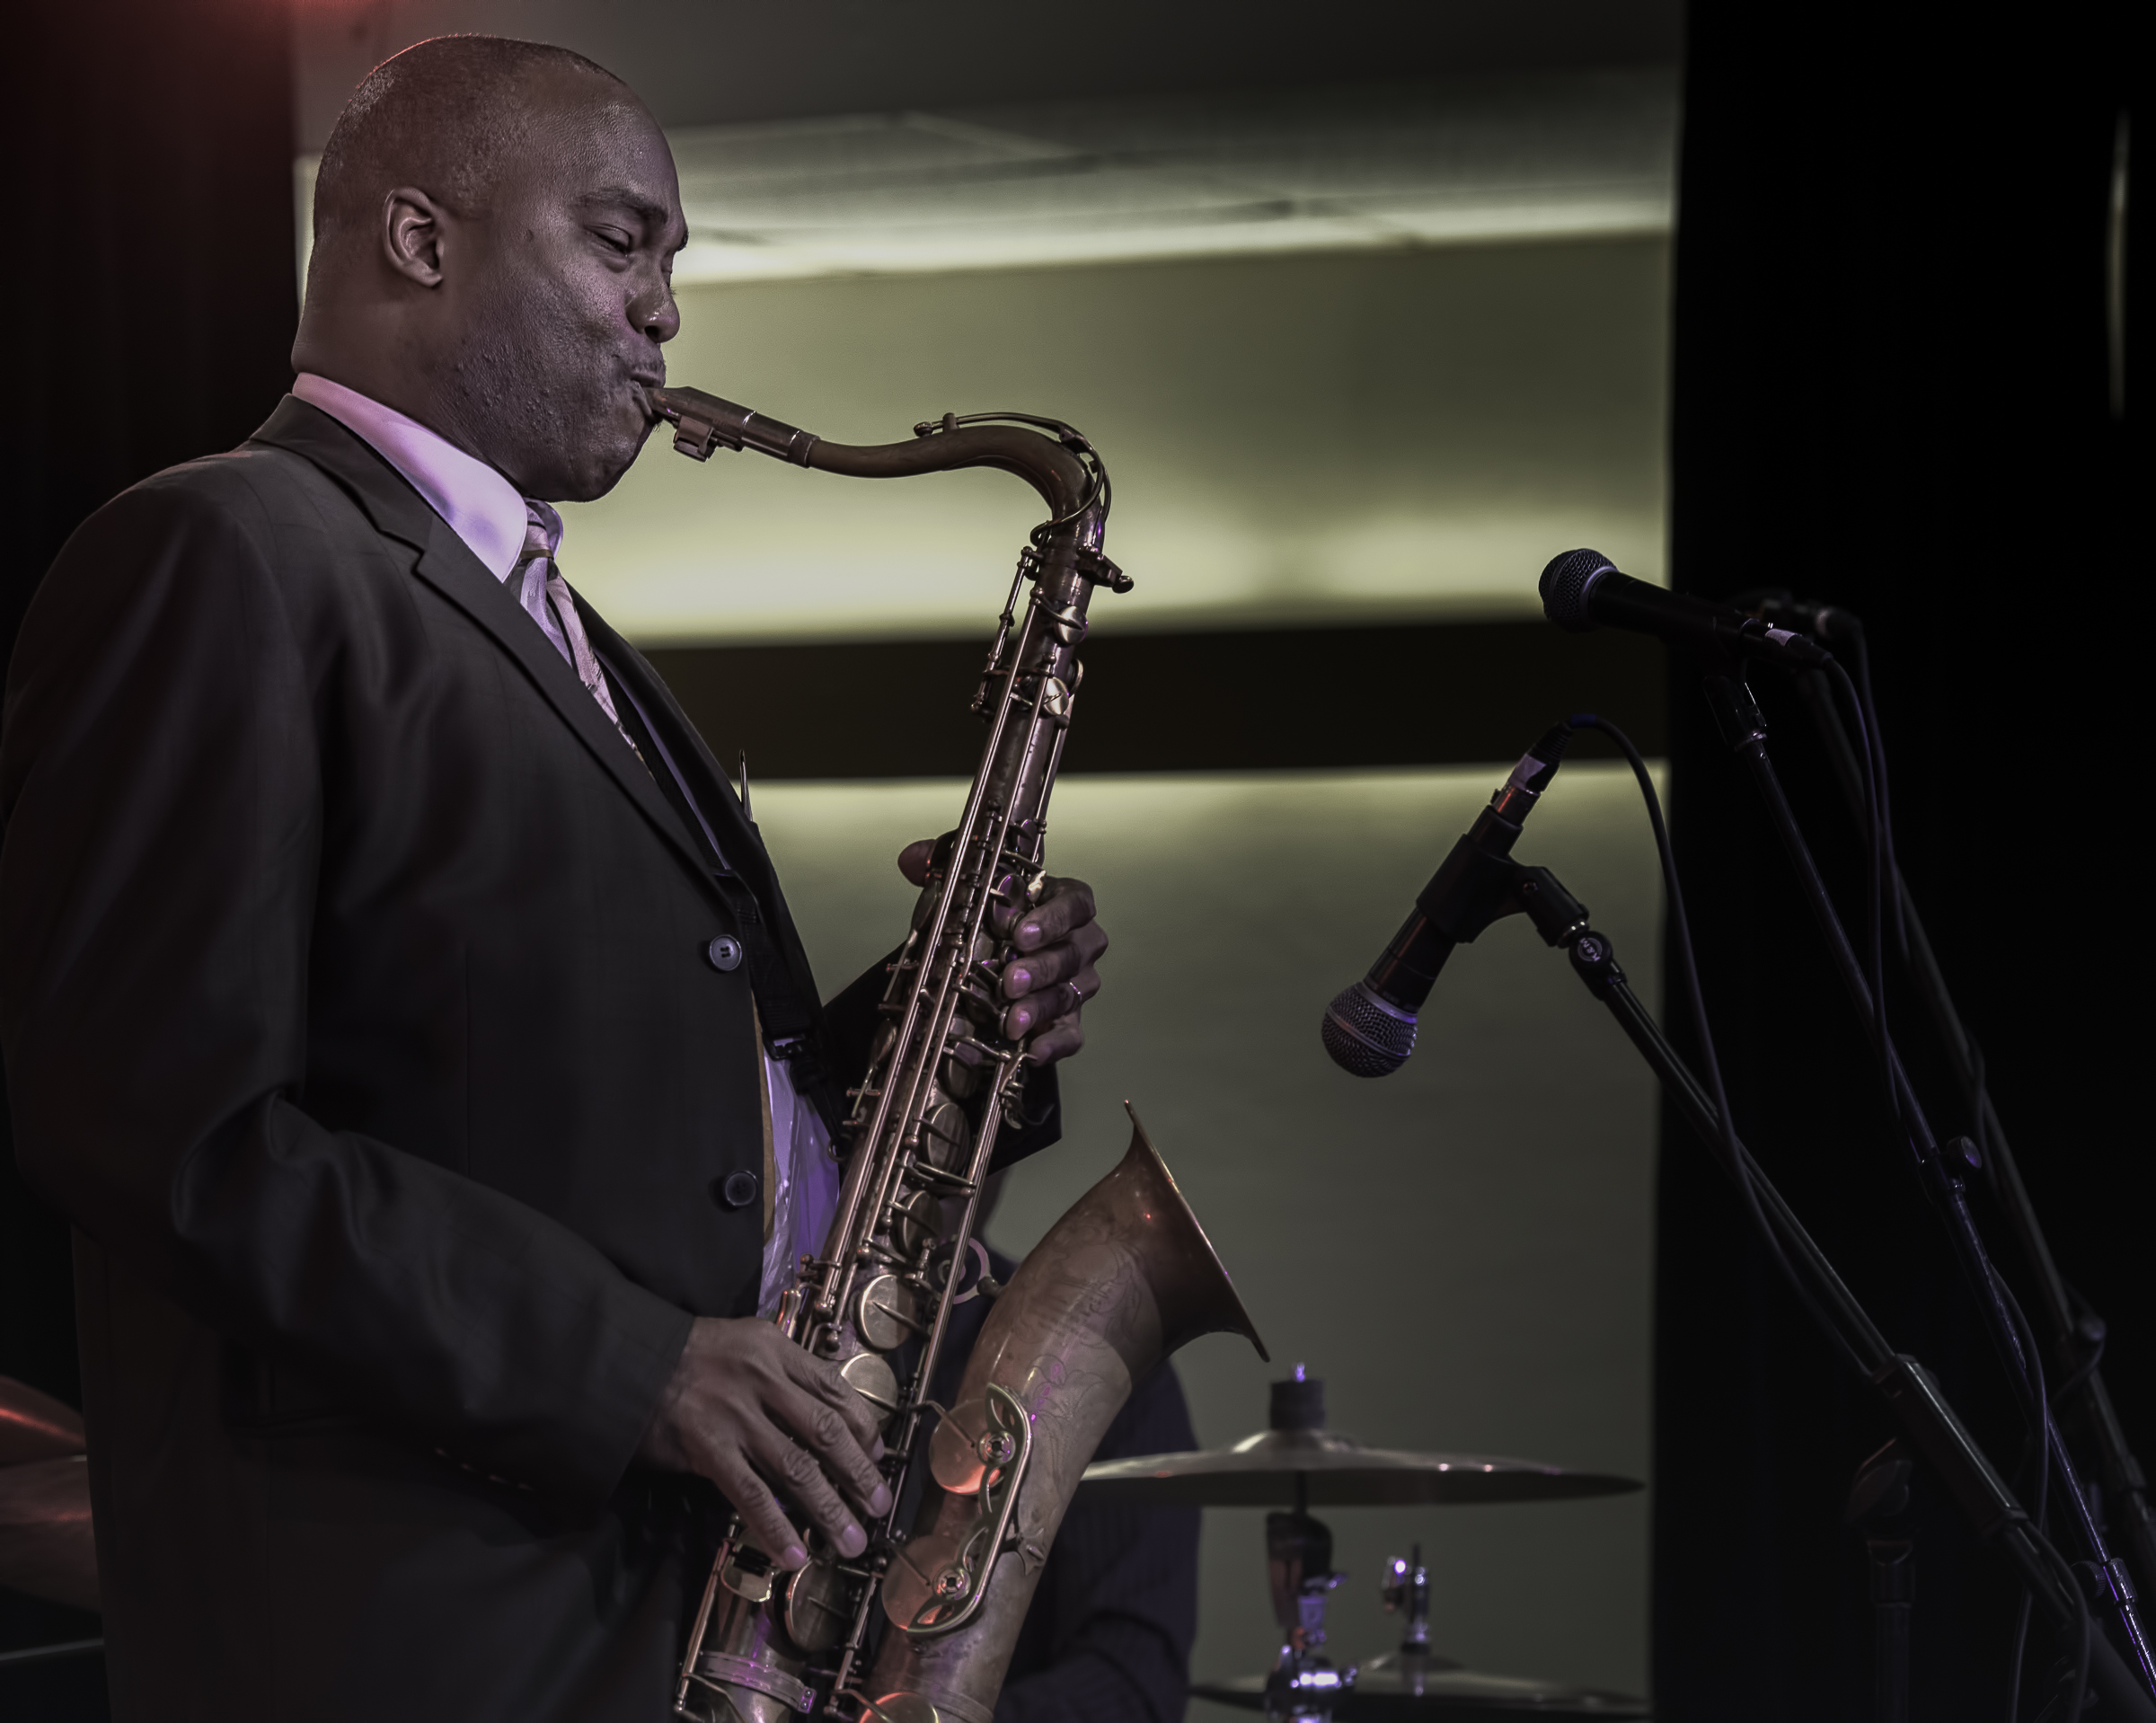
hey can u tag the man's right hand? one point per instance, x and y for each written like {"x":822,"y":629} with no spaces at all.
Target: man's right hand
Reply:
{"x":759,"y":1417}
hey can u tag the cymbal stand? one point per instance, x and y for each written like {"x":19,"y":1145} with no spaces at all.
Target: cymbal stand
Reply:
{"x":1910,"y":1395}
{"x":1407,"y":1590}
{"x":1298,"y":1552}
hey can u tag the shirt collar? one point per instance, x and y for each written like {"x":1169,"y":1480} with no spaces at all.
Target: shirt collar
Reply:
{"x":480,"y":507}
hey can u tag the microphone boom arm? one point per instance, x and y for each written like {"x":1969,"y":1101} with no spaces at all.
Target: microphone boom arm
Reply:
{"x":1907,"y":1390}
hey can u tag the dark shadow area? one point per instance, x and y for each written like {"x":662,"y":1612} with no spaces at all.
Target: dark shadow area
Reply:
{"x":149,"y":322}
{"x":69,"y":1689}
{"x":1431,"y":694}
{"x":695,"y":63}
{"x":1892,"y":391}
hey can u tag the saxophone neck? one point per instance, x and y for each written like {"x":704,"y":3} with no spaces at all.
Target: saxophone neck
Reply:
{"x":1049,"y":455}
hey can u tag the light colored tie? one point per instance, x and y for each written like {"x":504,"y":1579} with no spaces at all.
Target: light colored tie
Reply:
{"x":542,"y":583}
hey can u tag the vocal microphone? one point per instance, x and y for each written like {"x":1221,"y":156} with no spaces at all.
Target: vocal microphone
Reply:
{"x":1369,"y":1029}
{"x":1778,"y":607}
{"x":1582,"y":590}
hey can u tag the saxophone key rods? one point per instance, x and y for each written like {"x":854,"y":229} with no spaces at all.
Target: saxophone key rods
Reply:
{"x":1121,"y":1280}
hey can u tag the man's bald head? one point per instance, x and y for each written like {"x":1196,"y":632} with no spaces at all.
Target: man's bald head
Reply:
{"x":495,"y":225}
{"x":444,"y":115}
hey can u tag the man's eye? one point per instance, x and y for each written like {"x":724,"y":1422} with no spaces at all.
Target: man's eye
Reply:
{"x":615,"y":241}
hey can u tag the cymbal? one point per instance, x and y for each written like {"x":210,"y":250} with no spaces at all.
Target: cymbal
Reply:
{"x":46,"y":1547}
{"x":35,"y":1425}
{"x":1335,"y":1471}
{"x":1398,"y":1688}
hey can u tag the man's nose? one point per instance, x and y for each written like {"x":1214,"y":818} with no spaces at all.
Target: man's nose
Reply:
{"x":657,"y":315}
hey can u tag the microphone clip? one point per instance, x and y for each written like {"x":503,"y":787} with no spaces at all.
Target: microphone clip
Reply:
{"x":1475,"y":887}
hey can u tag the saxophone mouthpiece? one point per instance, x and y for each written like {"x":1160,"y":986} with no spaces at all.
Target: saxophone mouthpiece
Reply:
{"x":703,"y":423}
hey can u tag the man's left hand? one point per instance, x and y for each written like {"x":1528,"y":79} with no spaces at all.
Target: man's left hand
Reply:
{"x":1053,"y":976}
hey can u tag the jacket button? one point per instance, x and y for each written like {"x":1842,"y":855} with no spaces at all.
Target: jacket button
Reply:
{"x":737,"y":1189}
{"x":725,"y":952}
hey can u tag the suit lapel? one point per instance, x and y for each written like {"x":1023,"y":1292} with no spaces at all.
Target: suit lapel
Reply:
{"x":707,"y":781}
{"x":447,"y":565}
{"x":738,"y":840}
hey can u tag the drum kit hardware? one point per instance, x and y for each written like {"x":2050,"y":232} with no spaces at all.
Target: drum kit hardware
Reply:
{"x":1298,"y":1462}
{"x":46,"y":1547}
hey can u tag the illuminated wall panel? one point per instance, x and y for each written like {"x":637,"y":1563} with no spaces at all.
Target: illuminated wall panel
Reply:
{"x":1352,"y":437}
{"x":1463,"y":1250}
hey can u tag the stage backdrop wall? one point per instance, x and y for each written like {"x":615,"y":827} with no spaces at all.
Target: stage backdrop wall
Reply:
{"x":1461,"y":1250}
{"x":1893,"y":392}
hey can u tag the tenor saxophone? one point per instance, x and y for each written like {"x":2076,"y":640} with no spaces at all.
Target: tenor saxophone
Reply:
{"x":1120,"y":1281}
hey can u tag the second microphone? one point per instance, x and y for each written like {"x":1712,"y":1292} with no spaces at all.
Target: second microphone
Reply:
{"x":1369,"y":1029}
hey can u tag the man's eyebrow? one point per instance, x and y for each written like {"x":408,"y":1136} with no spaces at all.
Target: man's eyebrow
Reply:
{"x":621,"y":196}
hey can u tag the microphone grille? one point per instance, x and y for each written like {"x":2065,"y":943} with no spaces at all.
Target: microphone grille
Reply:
{"x":1365,"y":1037}
{"x":1565,"y":585}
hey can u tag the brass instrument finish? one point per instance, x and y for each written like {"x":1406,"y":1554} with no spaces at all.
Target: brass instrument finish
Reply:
{"x":876,"y":1301}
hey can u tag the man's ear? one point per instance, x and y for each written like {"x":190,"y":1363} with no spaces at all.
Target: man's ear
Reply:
{"x":411,"y":235}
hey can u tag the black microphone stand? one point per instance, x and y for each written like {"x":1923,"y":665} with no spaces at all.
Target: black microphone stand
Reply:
{"x":1744,"y":727}
{"x":1911,"y":1398}
{"x":1878,"y":1501}
{"x":2126,"y":1485}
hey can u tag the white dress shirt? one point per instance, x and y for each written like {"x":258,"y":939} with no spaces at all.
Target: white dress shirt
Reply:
{"x":488,"y":513}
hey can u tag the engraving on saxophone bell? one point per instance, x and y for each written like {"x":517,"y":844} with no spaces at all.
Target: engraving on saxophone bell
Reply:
{"x":911,"y":1708}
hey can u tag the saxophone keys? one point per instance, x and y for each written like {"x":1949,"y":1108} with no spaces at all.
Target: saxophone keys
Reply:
{"x":917,"y":1223}
{"x":963,"y":1452}
{"x":747,"y":1574}
{"x":926,"y":1581}
{"x":871,"y":1378}
{"x":887,"y":1316}
{"x":952,"y":1136}
{"x":817,"y":1606}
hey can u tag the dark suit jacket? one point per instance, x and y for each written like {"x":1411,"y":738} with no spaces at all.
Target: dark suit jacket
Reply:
{"x":354,"y":1004}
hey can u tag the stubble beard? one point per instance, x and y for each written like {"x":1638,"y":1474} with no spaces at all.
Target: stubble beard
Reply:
{"x":544,"y":391}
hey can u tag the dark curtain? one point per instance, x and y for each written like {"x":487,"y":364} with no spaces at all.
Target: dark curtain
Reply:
{"x":149,"y":296}
{"x":1893,"y":391}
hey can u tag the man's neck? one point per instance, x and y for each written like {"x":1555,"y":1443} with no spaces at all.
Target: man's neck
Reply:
{"x":479,"y":503}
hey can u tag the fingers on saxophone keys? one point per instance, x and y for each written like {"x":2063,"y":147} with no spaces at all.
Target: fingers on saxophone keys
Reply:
{"x":1067,"y":909}
{"x":1059,"y":1040}
{"x":1051,"y":1005}
{"x":824,"y":1381}
{"x":915,"y":858}
{"x":1040,"y":971}
{"x":826,"y":1431}
{"x":797,"y":1471}
{"x":769,"y":1529}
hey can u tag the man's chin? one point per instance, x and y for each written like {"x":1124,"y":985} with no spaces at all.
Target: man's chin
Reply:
{"x":599,"y":470}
